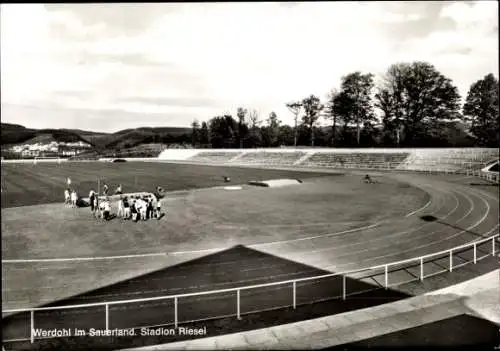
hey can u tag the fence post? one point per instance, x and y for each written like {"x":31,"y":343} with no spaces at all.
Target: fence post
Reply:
{"x":344,"y":288}
{"x":107,"y":316}
{"x":386,"y":277}
{"x":475,"y":253}
{"x":176,"y":316}
{"x":451,"y":260}
{"x":294,"y":295}
{"x":32,"y":325}
{"x":238,"y":303}
{"x":421,"y":268}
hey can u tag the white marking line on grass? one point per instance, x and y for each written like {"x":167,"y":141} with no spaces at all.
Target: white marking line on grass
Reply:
{"x":317,"y":236}
{"x":281,"y":241}
{"x":420,"y":209}
{"x":82,"y":258}
{"x":178,"y":252}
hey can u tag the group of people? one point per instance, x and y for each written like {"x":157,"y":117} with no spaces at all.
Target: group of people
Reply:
{"x":70,"y":197}
{"x":139,"y":208}
{"x":134,"y":207}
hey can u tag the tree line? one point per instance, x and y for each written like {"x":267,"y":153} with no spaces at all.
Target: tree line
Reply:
{"x":416,"y":104}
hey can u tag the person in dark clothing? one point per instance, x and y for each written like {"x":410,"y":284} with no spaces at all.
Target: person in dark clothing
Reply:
{"x":149,"y":213}
{"x":126,"y":208}
{"x":133,"y":210}
{"x":91,"y":200}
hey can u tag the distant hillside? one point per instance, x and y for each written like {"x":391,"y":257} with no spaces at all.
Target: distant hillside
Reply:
{"x":132,"y":137}
{"x":14,"y":134}
{"x":17,"y":134}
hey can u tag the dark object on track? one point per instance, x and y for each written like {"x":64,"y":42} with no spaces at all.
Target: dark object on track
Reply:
{"x":428,"y":218}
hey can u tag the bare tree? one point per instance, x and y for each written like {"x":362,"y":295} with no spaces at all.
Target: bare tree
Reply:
{"x":295,"y":107}
{"x":253,"y":117}
{"x":241,"y":114}
{"x":254,"y":124}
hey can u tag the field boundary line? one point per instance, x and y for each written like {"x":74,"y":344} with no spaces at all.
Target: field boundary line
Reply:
{"x":82,"y":258}
{"x":420,"y":209}
{"x":69,"y":259}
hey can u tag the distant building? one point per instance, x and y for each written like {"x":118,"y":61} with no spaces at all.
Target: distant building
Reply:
{"x":30,"y":153}
{"x":52,"y":148}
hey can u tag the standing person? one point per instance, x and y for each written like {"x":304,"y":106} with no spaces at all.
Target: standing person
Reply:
{"x":67,"y":199}
{"x":158,"y":208}
{"x":143,"y":206}
{"x":96,"y":206}
{"x":105,"y":189}
{"x":126,"y":208}
{"x":149,"y":212}
{"x":74,"y":198}
{"x":120,"y":208}
{"x":91,"y":199}
{"x":107,"y":210}
{"x":133,"y":210}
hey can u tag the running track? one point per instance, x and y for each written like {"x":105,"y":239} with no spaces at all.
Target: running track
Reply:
{"x":464,"y":213}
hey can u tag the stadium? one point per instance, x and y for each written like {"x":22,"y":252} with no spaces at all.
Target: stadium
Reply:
{"x":253,"y":242}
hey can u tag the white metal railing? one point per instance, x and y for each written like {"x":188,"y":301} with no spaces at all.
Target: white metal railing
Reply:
{"x":421,"y":260}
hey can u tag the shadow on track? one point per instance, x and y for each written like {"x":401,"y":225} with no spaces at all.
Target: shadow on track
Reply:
{"x":235,"y":267}
{"x":431,"y":218}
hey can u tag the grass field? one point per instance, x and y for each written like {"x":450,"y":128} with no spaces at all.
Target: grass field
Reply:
{"x":28,"y":184}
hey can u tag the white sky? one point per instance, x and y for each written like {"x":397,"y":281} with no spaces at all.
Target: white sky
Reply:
{"x":107,"y":67}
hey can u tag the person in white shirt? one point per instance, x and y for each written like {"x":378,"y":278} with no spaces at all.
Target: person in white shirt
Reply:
{"x":67,"y":199}
{"x":74,"y":198}
{"x":96,"y":206}
{"x":107,"y":210}
{"x":121,"y":212}
{"x":158,"y":208}
{"x":142,"y":208}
